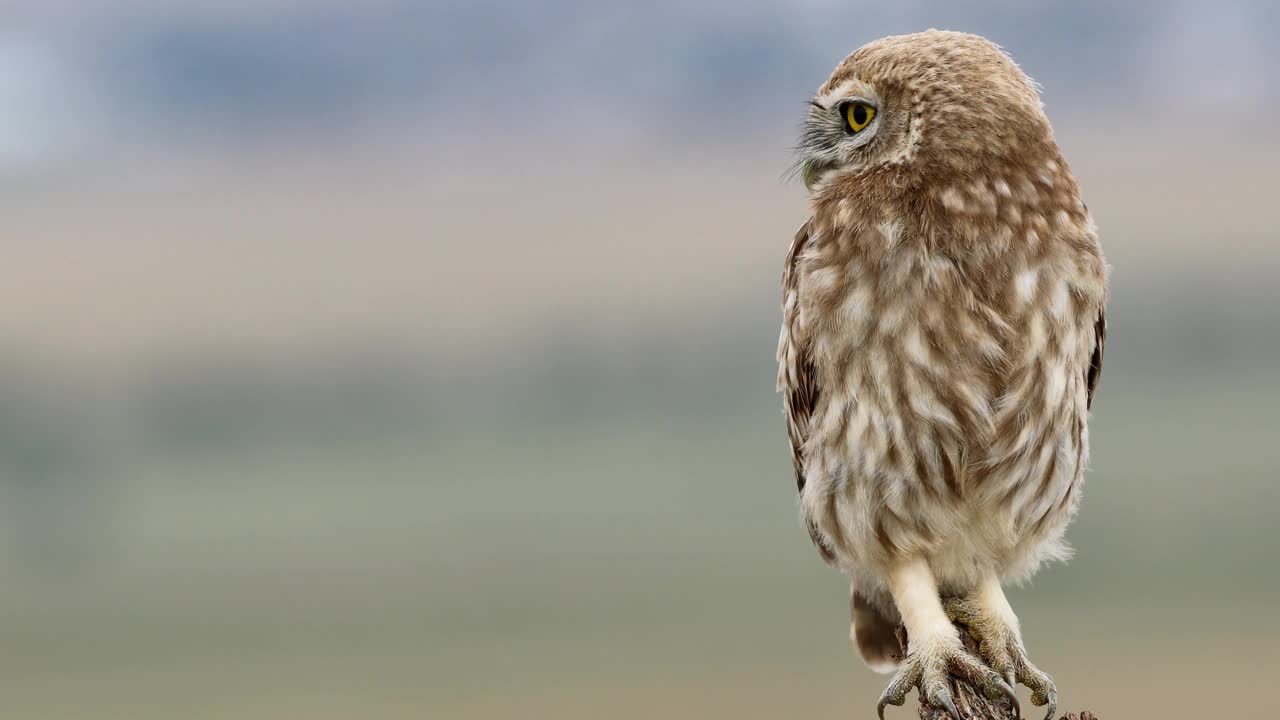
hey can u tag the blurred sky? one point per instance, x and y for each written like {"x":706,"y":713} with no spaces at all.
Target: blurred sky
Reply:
{"x":93,"y":77}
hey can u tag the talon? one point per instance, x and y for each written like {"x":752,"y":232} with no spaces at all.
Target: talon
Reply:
{"x":989,"y":620}
{"x":996,"y":688}
{"x":1047,"y":696}
{"x":889,"y":698}
{"x":1007,"y":690}
{"x":944,"y":699}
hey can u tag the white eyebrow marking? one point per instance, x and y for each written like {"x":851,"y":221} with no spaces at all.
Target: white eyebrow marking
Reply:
{"x":846,"y":89}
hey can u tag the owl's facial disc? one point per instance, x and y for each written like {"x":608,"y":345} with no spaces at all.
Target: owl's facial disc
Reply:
{"x":840,"y":126}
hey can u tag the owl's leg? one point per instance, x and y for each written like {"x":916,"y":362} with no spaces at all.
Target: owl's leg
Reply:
{"x":990,"y":620}
{"x":934,"y":650}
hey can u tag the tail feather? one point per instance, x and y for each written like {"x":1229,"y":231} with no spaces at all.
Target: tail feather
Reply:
{"x":874,"y":633}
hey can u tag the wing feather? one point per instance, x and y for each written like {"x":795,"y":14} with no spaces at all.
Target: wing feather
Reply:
{"x":796,"y":377}
{"x":795,"y":367}
{"x":1094,"y":371}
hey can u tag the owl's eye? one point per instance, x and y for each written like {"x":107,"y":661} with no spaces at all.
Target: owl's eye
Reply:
{"x":857,"y":116}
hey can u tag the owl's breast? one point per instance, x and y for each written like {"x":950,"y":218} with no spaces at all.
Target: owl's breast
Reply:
{"x":934,"y":384}
{"x":907,"y":357}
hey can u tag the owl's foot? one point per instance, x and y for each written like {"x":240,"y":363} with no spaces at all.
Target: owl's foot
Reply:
{"x":990,"y":622}
{"x":929,"y":664}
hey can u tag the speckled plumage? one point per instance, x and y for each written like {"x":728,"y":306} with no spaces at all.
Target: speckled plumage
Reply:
{"x":943,"y":325}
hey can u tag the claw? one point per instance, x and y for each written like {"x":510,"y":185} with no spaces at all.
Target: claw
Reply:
{"x":1007,"y":690}
{"x":881,"y":705}
{"x":944,"y":699}
{"x":928,"y":669}
{"x":1000,"y":645}
{"x":1046,"y":697}
{"x":886,"y":698}
{"x":995,"y":688}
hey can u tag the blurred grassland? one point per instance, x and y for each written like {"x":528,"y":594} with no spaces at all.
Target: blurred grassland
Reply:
{"x":638,"y":561}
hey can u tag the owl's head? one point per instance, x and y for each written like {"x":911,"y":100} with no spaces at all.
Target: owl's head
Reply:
{"x":931,"y":104}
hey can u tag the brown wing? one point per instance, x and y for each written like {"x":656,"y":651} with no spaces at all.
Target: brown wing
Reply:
{"x":1095,"y":363}
{"x":795,"y":368}
{"x":796,"y":379}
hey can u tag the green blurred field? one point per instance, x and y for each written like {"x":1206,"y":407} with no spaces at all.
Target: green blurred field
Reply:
{"x":636,"y":554}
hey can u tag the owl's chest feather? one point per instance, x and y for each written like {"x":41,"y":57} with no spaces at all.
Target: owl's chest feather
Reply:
{"x":905,"y":335}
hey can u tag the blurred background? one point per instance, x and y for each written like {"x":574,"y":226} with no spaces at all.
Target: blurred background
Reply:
{"x":408,"y":359}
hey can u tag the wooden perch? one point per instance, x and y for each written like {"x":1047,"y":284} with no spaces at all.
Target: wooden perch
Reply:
{"x":969,"y":700}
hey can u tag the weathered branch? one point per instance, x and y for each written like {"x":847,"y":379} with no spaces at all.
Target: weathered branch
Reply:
{"x":969,"y":701}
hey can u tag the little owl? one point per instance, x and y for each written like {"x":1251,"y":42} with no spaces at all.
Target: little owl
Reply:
{"x":942,"y":337}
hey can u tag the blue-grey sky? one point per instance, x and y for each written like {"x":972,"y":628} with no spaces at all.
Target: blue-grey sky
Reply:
{"x":83,"y":76}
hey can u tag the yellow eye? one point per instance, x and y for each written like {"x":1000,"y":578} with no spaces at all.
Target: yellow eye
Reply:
{"x":857,"y":116}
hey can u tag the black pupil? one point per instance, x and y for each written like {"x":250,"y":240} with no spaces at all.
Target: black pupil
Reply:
{"x":859,"y":114}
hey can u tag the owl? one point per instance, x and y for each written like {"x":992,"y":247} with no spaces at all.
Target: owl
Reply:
{"x":942,"y":338}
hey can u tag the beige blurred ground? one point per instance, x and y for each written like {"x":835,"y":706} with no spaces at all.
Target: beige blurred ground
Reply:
{"x":313,"y":244}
